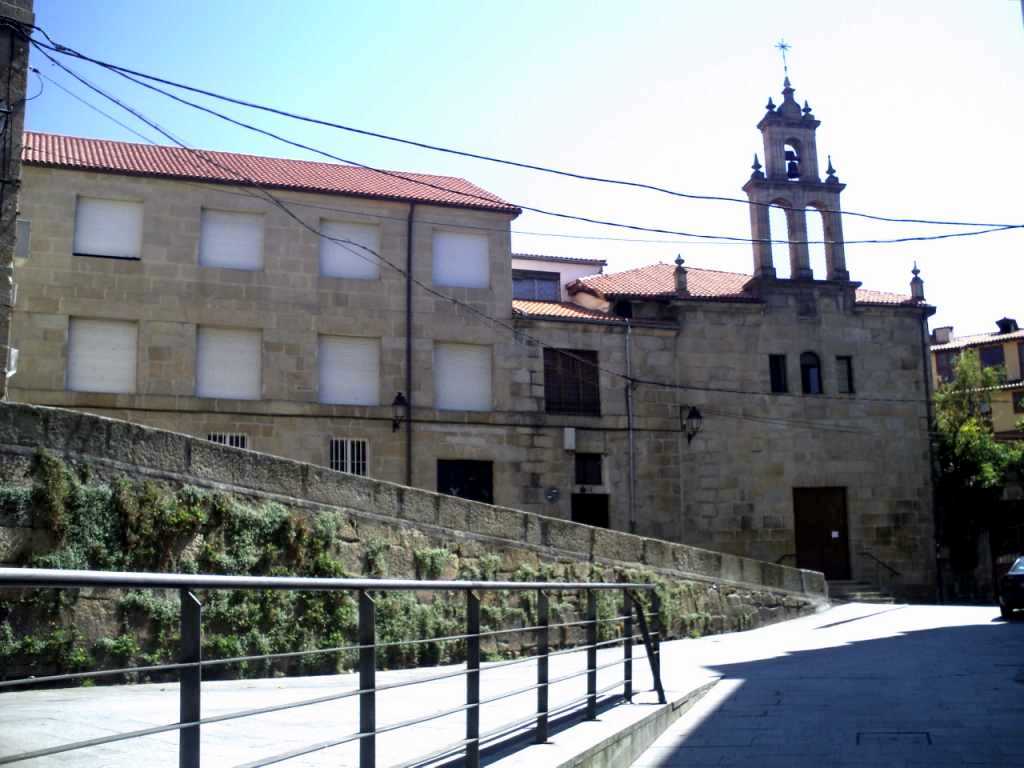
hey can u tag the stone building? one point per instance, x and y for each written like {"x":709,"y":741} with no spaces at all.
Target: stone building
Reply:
{"x":781,"y":419}
{"x":1002,"y":349}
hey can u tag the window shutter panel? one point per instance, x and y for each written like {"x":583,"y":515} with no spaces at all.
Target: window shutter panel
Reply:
{"x":231,"y":240}
{"x":349,"y":370}
{"x":344,"y":259}
{"x":462,"y":377}
{"x":461,"y":260}
{"x":228,"y":363}
{"x":108,"y":228}
{"x":102,"y":355}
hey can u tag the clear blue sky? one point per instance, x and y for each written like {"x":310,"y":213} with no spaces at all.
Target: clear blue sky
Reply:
{"x":921,"y":103}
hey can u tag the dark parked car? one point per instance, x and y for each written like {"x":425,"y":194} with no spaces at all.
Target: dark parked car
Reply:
{"x":1011,"y":589}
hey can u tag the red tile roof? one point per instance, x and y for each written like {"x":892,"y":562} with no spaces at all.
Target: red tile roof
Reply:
{"x":657,"y":280}
{"x":561,"y":309}
{"x":56,"y":151}
{"x":978,"y":340}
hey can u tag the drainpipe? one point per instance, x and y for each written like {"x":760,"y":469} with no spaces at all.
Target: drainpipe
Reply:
{"x":408,"y":345}
{"x":929,"y":405}
{"x":629,"y":428}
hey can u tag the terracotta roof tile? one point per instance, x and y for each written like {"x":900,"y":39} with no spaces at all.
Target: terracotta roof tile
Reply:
{"x":53,"y":150}
{"x":657,"y":280}
{"x":560,"y":309}
{"x":978,"y":340}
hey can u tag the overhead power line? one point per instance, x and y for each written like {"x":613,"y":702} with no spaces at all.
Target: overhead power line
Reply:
{"x":490,"y":201}
{"x":517,"y":332}
{"x":59,"y":48}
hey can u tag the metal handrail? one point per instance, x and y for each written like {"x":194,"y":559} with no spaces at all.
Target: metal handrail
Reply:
{"x":882,"y":563}
{"x":191,"y":664}
{"x":781,"y":558}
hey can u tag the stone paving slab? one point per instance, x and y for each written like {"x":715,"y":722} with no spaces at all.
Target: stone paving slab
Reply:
{"x":858,"y":686}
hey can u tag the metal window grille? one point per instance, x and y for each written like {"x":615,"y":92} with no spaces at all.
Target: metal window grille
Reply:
{"x":588,"y":469}
{"x":571,"y":382}
{"x":348,"y":455}
{"x":230,"y":439}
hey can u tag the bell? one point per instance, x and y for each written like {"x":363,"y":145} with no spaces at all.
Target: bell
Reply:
{"x":791,"y":155}
{"x":792,"y":170}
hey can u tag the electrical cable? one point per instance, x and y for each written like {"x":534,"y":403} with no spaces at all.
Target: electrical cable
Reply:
{"x":492,"y":201}
{"x":517,"y":333}
{"x":65,"y":50}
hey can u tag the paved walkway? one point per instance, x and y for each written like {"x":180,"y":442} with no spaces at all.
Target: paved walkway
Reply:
{"x":858,"y":686}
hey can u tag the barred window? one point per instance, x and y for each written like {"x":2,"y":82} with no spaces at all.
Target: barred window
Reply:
{"x":230,"y":439}
{"x":348,"y":455}
{"x":571,"y":382}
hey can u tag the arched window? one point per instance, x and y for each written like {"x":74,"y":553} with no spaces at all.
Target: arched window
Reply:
{"x":792,"y":150}
{"x":810,"y":373}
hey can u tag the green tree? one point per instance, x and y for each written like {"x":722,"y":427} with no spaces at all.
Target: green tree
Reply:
{"x":973,"y":466}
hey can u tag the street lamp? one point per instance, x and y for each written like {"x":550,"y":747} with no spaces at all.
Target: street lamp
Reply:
{"x":691,"y":424}
{"x":399,"y":411}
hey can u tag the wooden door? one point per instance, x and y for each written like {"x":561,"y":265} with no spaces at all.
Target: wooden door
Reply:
{"x":822,"y":533}
{"x":590,"y":509}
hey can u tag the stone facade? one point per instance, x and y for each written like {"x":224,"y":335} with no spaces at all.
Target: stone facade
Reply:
{"x":730,"y":488}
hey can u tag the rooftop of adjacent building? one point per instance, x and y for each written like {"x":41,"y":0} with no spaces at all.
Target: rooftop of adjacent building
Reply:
{"x":134,"y":159}
{"x":1007,"y":330}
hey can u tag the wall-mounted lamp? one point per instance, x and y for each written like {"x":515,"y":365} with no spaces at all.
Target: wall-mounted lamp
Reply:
{"x":399,"y":411}
{"x":691,"y":424}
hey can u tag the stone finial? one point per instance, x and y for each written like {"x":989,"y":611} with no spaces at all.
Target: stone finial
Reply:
{"x":757,"y":174}
{"x":832,"y":178}
{"x":681,"y":287}
{"x":770,"y":106}
{"x":807,"y":109}
{"x":916,"y":284}
{"x":789,"y":108}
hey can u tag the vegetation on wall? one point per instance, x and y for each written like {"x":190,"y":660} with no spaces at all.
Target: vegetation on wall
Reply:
{"x":143,"y":525}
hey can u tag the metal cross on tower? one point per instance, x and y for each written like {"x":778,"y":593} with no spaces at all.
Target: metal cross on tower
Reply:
{"x":783,"y":46}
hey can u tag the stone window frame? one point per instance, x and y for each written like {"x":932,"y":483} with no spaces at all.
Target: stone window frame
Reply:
{"x":844,"y":375}
{"x":588,"y":469}
{"x":811,"y":382}
{"x":350,"y":455}
{"x":778,"y":376}
{"x":572,"y":384}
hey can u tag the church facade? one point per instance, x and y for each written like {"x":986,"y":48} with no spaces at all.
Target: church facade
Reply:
{"x":781,"y":419}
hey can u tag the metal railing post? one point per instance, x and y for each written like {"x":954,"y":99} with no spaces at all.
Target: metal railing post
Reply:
{"x":191,"y":679}
{"x":591,"y":654}
{"x":659,"y":633}
{"x":627,"y":646}
{"x":649,"y":645}
{"x":472,"y":680}
{"x":367,"y":680}
{"x":543,"y":647}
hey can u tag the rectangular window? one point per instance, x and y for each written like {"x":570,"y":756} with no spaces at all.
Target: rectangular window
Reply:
{"x":102,"y":355}
{"x":229,"y":363}
{"x":991,"y":357}
{"x":23,"y":237}
{"x":1018,"y":401}
{"x":348,"y":455}
{"x":230,"y":439}
{"x":231,"y":240}
{"x":349,"y":370}
{"x":462,"y":377}
{"x":111,"y":228}
{"x":777,"y":370}
{"x":588,"y":469}
{"x":1020,"y":357}
{"x":945,"y":363}
{"x":461,"y":260}
{"x":467,"y":479}
{"x":571,"y":382}
{"x":535,"y":286}
{"x":349,"y":250}
{"x":844,"y":374}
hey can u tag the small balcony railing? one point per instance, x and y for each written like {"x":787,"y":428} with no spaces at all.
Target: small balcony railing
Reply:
{"x":634,"y":614}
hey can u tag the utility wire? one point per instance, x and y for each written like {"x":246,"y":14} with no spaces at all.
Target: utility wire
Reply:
{"x":42,"y":47}
{"x":517,"y":332}
{"x":62,"y":49}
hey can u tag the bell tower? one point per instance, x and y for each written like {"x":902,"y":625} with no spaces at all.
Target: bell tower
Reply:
{"x":791,"y":181}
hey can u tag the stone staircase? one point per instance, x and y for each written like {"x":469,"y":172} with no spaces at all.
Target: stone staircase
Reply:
{"x":858,"y":592}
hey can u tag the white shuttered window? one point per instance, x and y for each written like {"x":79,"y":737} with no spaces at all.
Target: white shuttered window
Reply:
{"x":345,"y":259}
{"x":349,"y":370}
{"x":228,"y":363}
{"x":461,"y":259}
{"x":232,"y":240}
{"x":108,"y":228}
{"x":102,"y":355}
{"x":462,"y":377}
